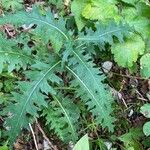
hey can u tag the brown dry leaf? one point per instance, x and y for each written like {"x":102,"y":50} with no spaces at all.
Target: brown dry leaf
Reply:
{"x":18,"y":145}
{"x":10,"y":30}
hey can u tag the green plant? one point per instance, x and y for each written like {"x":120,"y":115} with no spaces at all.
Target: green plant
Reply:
{"x":52,"y":69}
{"x":42,"y":75}
{"x":145,"y":110}
{"x":12,"y":5}
{"x":131,"y":138}
{"x":98,"y":10}
{"x":83,"y":143}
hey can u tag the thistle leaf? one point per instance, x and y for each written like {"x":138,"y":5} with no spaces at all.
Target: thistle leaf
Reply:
{"x":104,"y":34}
{"x":62,"y":116}
{"x":11,"y":56}
{"x":30,"y":99}
{"x":90,"y":88}
{"x":47,"y":26}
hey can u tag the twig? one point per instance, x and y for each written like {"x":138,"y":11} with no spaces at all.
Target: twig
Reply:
{"x":143,"y":99}
{"x":36,"y":146}
{"x":141,"y":96}
{"x":124,"y":102}
{"x":126,"y":76}
{"x":45,"y":137}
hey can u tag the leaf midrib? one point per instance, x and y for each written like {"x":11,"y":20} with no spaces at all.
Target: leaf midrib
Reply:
{"x":33,"y":90}
{"x":67,"y":116}
{"x":96,"y":38}
{"x":89,"y":91}
{"x":18,"y":54}
{"x":45,"y":22}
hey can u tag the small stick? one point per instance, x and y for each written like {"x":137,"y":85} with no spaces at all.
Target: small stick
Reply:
{"x":45,"y":137}
{"x":126,"y":76}
{"x":124,"y":102}
{"x":143,"y":99}
{"x":141,"y":96}
{"x":36,"y":146}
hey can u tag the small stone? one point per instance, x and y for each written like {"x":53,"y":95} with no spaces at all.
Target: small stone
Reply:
{"x":106,"y":66}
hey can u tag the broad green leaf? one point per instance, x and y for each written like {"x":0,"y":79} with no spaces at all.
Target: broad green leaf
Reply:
{"x":145,"y":110}
{"x":138,"y":19}
{"x":133,"y":2}
{"x":126,"y":54}
{"x":143,"y":9}
{"x":131,"y":138}
{"x":146,"y":128}
{"x":133,"y":134}
{"x":141,"y":25}
{"x":77,"y":7}
{"x":129,"y":10}
{"x":101,"y":10}
{"x":82,"y":144}
{"x":5,"y":147}
{"x":145,"y":65}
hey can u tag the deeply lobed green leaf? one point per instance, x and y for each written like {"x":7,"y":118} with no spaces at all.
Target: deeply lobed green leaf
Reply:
{"x":62,"y":116}
{"x":89,"y":87}
{"x":30,"y":98}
